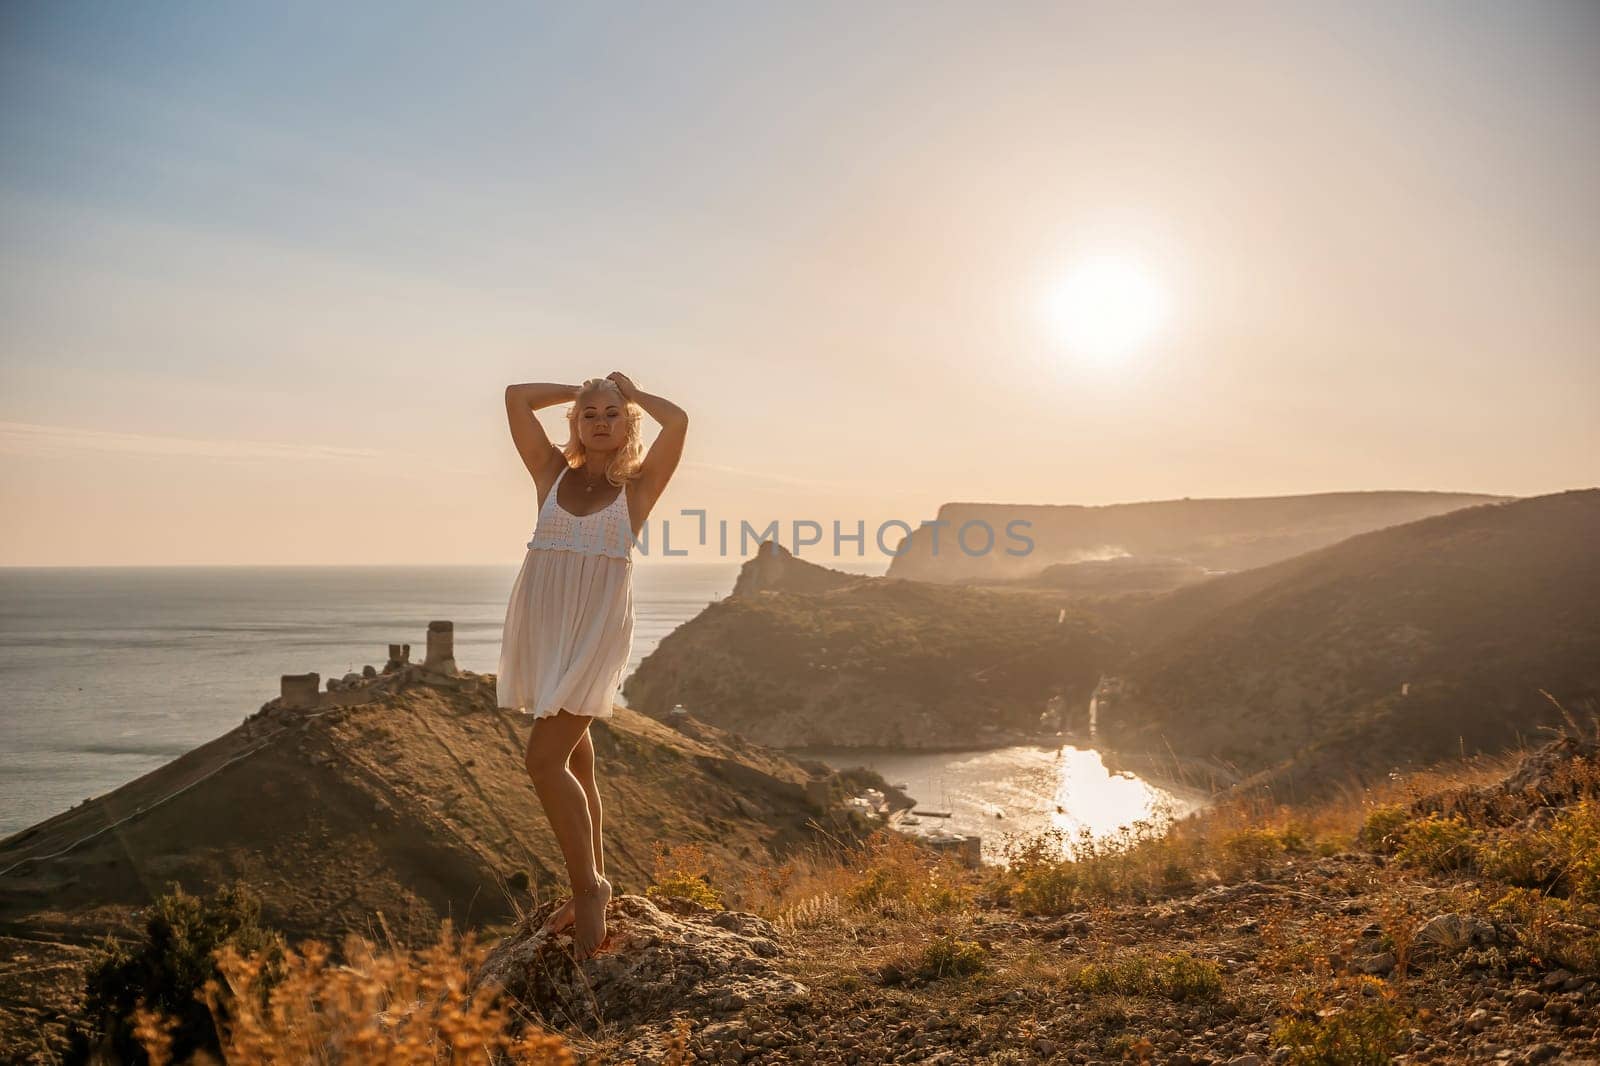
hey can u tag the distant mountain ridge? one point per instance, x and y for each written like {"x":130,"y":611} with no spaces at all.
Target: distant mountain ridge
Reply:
{"x":1218,"y":534}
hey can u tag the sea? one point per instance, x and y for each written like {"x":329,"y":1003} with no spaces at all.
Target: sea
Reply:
{"x":109,"y":672}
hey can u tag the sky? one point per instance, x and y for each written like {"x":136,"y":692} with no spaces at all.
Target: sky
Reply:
{"x":267,"y":269}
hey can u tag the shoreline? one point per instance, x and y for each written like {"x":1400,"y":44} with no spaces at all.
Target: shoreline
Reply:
{"x":1175,"y":773}
{"x":1196,"y":780}
{"x":1189,"y":777}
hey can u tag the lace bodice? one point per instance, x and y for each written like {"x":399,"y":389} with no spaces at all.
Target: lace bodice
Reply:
{"x":609,"y":531}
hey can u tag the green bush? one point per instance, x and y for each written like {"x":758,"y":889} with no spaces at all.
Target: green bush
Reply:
{"x":686,"y":886}
{"x":898,"y":876}
{"x":1378,"y":833}
{"x":1317,"y":1032}
{"x":944,"y":957}
{"x":684,"y":871}
{"x":1176,"y":976}
{"x":1549,"y":931}
{"x":170,"y":965}
{"x":1250,"y":852}
{"x":1436,"y":843}
{"x":1575,"y":839}
{"x":948,"y":957}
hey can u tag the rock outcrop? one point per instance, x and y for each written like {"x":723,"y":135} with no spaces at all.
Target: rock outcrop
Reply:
{"x":774,"y":568}
{"x":663,"y":958}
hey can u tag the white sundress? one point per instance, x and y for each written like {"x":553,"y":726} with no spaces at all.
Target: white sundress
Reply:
{"x":569,"y":624}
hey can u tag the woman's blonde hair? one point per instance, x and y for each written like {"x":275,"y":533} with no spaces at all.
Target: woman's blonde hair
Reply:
{"x":629,"y":454}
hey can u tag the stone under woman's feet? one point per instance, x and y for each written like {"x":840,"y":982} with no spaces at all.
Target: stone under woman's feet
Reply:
{"x":589,"y":921}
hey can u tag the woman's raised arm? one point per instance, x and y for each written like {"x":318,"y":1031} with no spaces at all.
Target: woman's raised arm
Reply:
{"x":662,"y":458}
{"x":543,"y":459}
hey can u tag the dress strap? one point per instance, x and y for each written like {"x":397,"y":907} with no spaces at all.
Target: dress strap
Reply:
{"x":555,"y":486}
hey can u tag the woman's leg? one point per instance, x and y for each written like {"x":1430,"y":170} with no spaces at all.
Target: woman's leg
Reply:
{"x":566,"y":805}
{"x":582,"y":764}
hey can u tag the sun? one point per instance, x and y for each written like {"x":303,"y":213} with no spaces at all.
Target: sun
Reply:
{"x":1107,"y":307}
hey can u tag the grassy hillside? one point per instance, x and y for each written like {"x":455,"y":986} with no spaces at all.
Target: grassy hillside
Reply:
{"x":415,"y":805}
{"x":1390,"y":649}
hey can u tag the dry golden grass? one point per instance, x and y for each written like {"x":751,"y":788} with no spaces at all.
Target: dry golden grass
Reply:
{"x":910,"y":910}
{"x":388,"y":1006}
{"x":887,"y":875}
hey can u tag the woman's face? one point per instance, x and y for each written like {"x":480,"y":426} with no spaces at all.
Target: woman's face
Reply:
{"x":602,"y":423}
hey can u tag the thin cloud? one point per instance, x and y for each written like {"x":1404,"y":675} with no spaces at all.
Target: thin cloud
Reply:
{"x":35,"y":441}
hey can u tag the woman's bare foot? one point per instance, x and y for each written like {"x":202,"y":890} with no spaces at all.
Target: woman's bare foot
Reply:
{"x":559,"y":919}
{"x":589,"y":922}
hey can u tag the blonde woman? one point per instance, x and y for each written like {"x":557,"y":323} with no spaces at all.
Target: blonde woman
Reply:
{"x":569,"y":624}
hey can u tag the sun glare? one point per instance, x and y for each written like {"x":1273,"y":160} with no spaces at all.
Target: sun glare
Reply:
{"x":1107,"y":307}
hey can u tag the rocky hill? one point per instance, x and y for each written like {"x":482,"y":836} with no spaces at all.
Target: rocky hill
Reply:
{"x":873,"y":662}
{"x":1214,"y":534}
{"x":402,"y":793}
{"x":774,"y":568}
{"x":1388,"y":650}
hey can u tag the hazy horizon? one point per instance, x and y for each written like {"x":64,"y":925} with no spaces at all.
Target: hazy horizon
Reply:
{"x":269,"y":270}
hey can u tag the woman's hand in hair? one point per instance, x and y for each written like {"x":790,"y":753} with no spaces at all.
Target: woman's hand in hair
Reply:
{"x":629,"y":390}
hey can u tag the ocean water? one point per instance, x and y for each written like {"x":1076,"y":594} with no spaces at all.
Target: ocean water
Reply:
{"x":1008,"y":795}
{"x":109,"y":672}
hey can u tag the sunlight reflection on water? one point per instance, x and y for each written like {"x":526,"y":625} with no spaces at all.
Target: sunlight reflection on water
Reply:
{"x":1033,"y":788}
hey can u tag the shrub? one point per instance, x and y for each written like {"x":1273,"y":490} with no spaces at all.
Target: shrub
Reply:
{"x":1249,"y":852}
{"x":1038,"y":880}
{"x":1519,"y":858}
{"x":1176,"y":976}
{"x":683,"y":872}
{"x":944,"y":957}
{"x":1322,"y":1032}
{"x":391,"y":1007}
{"x":1561,"y":858}
{"x":1378,"y":832}
{"x":1575,"y":837}
{"x":1550,"y":931}
{"x":898,"y":877}
{"x":166,"y":971}
{"x":1297,"y":839}
{"x":947,"y":957}
{"x":1049,"y":872}
{"x":1436,"y":843}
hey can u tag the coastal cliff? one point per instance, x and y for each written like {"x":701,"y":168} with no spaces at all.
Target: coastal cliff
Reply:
{"x":874,"y":662}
